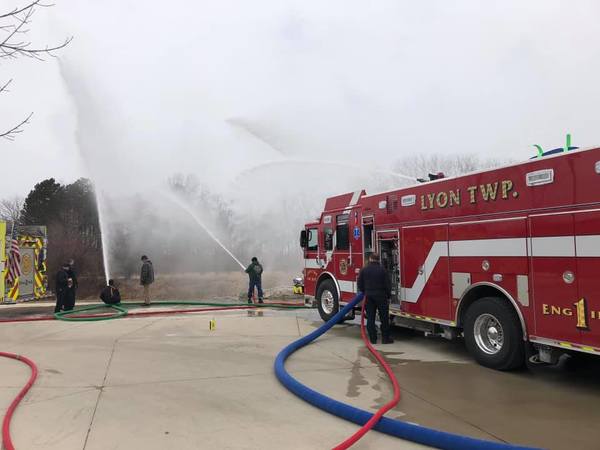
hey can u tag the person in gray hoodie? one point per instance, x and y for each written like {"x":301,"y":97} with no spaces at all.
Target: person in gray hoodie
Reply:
{"x":146,"y":278}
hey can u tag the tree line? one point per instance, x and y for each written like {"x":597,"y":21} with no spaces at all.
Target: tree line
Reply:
{"x":136,"y":224}
{"x":69,"y":212}
{"x":143,"y":224}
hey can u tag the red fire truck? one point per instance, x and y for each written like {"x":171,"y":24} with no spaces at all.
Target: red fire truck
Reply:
{"x":508,"y":258}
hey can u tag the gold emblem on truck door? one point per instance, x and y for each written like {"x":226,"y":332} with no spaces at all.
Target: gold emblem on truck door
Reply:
{"x":343,"y":267}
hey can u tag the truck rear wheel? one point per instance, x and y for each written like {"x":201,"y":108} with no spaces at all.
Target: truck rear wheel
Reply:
{"x":327,"y":300}
{"x":493,"y":334}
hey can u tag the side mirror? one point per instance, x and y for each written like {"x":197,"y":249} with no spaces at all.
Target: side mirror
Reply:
{"x":303,"y":239}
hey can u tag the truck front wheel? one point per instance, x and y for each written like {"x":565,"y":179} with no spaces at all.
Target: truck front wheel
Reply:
{"x":493,"y":334}
{"x":327,"y":300}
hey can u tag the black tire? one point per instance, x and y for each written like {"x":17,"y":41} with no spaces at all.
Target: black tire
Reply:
{"x":326,"y":311}
{"x":506,"y":353}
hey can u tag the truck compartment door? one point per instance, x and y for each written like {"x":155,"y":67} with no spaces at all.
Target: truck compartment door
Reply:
{"x":425,"y":271}
{"x":554,"y":273}
{"x":587,"y":243}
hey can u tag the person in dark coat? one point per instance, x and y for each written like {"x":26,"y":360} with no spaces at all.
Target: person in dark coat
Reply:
{"x":374,"y":282}
{"x":110,"y":294}
{"x":146,"y":278}
{"x":61,"y":287}
{"x":72,"y":286}
{"x":254,"y":271}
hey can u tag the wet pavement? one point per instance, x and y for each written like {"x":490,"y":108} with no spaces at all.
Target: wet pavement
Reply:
{"x":170,"y":382}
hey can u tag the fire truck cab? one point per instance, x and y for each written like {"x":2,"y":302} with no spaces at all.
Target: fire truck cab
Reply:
{"x":509,"y":258}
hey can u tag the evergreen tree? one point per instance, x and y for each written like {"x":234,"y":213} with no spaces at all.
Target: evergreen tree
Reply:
{"x":70,"y":213}
{"x":43,"y":203}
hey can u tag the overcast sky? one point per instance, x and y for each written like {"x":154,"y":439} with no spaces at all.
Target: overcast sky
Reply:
{"x":148,"y":88}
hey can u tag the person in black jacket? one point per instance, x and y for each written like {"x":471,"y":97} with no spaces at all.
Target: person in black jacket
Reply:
{"x":110,"y":294}
{"x":374,"y":282}
{"x":61,"y":287}
{"x":71,"y":293}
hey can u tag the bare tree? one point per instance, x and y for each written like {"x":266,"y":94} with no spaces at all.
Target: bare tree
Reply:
{"x":420,"y":165}
{"x":10,"y":209}
{"x":185,"y":185}
{"x":14,"y":26}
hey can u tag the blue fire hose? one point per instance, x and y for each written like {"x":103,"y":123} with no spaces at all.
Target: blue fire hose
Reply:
{"x":403,"y":430}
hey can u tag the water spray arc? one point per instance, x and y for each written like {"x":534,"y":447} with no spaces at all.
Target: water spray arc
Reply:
{"x":350,"y":165}
{"x":103,"y":234}
{"x":79,"y":95}
{"x":255,"y":134}
{"x":177,"y":201}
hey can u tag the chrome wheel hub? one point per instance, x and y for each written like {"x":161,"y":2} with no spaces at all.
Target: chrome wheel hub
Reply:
{"x":489,"y":335}
{"x":327,"y":302}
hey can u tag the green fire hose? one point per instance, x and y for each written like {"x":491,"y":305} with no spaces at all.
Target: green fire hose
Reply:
{"x":122,"y":309}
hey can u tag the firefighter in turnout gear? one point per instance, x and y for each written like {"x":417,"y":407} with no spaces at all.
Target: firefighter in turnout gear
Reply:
{"x":110,"y":295}
{"x":71,"y":293}
{"x":61,"y":288}
{"x":254,"y":271}
{"x":374,"y":282}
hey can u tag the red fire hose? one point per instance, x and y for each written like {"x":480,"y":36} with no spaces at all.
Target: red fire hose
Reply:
{"x":162,"y":312}
{"x":131,"y":315}
{"x":165,"y":312}
{"x":6,"y":440}
{"x":373,"y":421}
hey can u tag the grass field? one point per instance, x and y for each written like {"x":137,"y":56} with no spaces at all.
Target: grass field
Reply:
{"x":191,"y":286}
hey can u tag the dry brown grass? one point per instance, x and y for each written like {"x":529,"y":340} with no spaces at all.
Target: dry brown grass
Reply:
{"x":196,"y":286}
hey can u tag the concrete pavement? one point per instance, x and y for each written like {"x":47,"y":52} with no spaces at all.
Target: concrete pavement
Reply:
{"x":170,"y":382}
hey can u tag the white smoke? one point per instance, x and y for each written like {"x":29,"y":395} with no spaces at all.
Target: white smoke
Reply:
{"x":260,"y":100}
